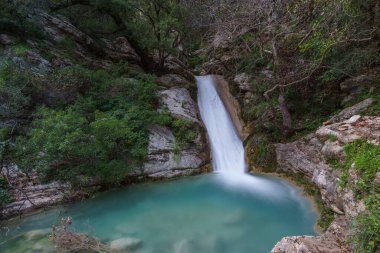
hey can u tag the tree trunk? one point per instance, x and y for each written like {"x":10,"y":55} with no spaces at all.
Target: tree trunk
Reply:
{"x":286,"y":117}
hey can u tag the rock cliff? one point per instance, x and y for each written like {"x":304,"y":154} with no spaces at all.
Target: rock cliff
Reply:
{"x":309,"y":156}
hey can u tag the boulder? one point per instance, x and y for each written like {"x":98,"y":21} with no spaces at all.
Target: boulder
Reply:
{"x":243,"y":81}
{"x":179,"y":104}
{"x":350,"y":111}
{"x":355,"y":128}
{"x":163,"y":159}
{"x":124,"y":244}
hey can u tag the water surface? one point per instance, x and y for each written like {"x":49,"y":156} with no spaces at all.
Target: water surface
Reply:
{"x":203,"y":214}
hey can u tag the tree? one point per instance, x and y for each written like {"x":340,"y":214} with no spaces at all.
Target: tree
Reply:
{"x":155,"y":28}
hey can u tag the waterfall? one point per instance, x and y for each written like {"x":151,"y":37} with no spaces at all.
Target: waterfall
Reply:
{"x":226,"y":147}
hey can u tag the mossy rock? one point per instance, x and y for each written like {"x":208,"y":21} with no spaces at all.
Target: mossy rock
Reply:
{"x":261,"y":153}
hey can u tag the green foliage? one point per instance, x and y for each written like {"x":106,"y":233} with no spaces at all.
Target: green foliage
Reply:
{"x":89,"y":19}
{"x":183,"y":133}
{"x":14,"y":18}
{"x":16,"y":90}
{"x":262,"y":153}
{"x":67,"y":44}
{"x":334,"y":163}
{"x":254,"y":60}
{"x":21,"y":50}
{"x":365,"y":228}
{"x":367,"y":162}
{"x":333,"y":138}
{"x":104,"y":134}
{"x":255,"y":111}
{"x":364,"y":231}
{"x":5,"y":196}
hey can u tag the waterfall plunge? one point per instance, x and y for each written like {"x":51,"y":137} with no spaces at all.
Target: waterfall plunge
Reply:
{"x":226,"y":146}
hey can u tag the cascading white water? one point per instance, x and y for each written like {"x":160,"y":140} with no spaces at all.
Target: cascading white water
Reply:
{"x":226,"y":147}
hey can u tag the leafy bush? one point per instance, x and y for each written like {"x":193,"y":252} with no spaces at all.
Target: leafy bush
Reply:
{"x":21,"y":50}
{"x":5,"y":196}
{"x":364,"y":233}
{"x":366,"y":157}
{"x":104,"y":134}
{"x":365,"y":228}
{"x":16,"y":90}
{"x":183,"y":133}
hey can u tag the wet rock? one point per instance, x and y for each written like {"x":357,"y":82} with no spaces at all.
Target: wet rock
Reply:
{"x":232,"y":106}
{"x":125,"y":244}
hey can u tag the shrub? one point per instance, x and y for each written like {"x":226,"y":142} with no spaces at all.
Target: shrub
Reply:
{"x":104,"y":134}
{"x":16,"y":90}
{"x":365,"y":228}
{"x":5,"y":196}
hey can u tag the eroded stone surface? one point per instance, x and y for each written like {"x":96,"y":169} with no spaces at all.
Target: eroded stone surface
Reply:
{"x":29,"y":194}
{"x":309,"y":156}
{"x":165,"y":160}
{"x":179,"y":103}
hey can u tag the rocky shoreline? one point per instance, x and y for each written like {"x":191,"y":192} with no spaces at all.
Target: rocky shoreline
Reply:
{"x":309,"y":156}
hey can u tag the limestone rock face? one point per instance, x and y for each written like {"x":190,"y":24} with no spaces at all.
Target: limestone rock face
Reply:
{"x":121,"y":49}
{"x":243,"y":80}
{"x":175,"y":66}
{"x":329,"y":242}
{"x":29,"y":194}
{"x":164,"y":158}
{"x":179,"y":103}
{"x":58,"y":29}
{"x":353,"y":87}
{"x":350,"y":111}
{"x":309,"y":156}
